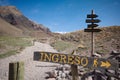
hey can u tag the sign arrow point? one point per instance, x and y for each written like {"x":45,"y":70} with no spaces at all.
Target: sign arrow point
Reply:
{"x":105,"y":64}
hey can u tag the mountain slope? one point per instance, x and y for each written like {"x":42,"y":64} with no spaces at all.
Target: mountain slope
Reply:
{"x":105,"y":41}
{"x":8,"y":29}
{"x":14,"y":17}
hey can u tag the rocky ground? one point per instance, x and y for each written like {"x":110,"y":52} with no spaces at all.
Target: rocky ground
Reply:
{"x":34,"y":70}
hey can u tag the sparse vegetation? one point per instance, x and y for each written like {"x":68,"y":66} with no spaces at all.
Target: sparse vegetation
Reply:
{"x":12,"y":45}
{"x":105,"y":41}
{"x":15,"y":41}
{"x":61,"y":45}
{"x":9,"y":53}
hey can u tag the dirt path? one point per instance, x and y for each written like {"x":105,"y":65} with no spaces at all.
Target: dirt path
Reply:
{"x":33,"y":71}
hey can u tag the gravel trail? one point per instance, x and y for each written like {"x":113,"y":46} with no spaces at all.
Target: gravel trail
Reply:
{"x":33,"y":71}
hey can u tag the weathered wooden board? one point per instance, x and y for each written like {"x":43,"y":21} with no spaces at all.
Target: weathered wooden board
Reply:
{"x":88,"y":62}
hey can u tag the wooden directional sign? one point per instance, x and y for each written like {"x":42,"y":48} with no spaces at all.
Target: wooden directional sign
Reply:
{"x":92,"y":30}
{"x":92,"y":25}
{"x":92,"y":16}
{"x":92,"y":20}
{"x":88,"y":62}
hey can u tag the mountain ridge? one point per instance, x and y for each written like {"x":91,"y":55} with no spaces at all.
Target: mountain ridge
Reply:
{"x":14,"y":17}
{"x":105,"y":41}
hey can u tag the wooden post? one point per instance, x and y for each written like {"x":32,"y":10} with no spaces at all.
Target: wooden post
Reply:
{"x":20,"y":75}
{"x":12,"y":71}
{"x":92,"y":40}
{"x":74,"y":70}
{"x":16,"y":71}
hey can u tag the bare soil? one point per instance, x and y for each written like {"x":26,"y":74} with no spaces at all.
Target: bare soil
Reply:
{"x":34,"y":70}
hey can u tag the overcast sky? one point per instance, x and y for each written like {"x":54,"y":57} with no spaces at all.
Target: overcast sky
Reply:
{"x":68,"y":15}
